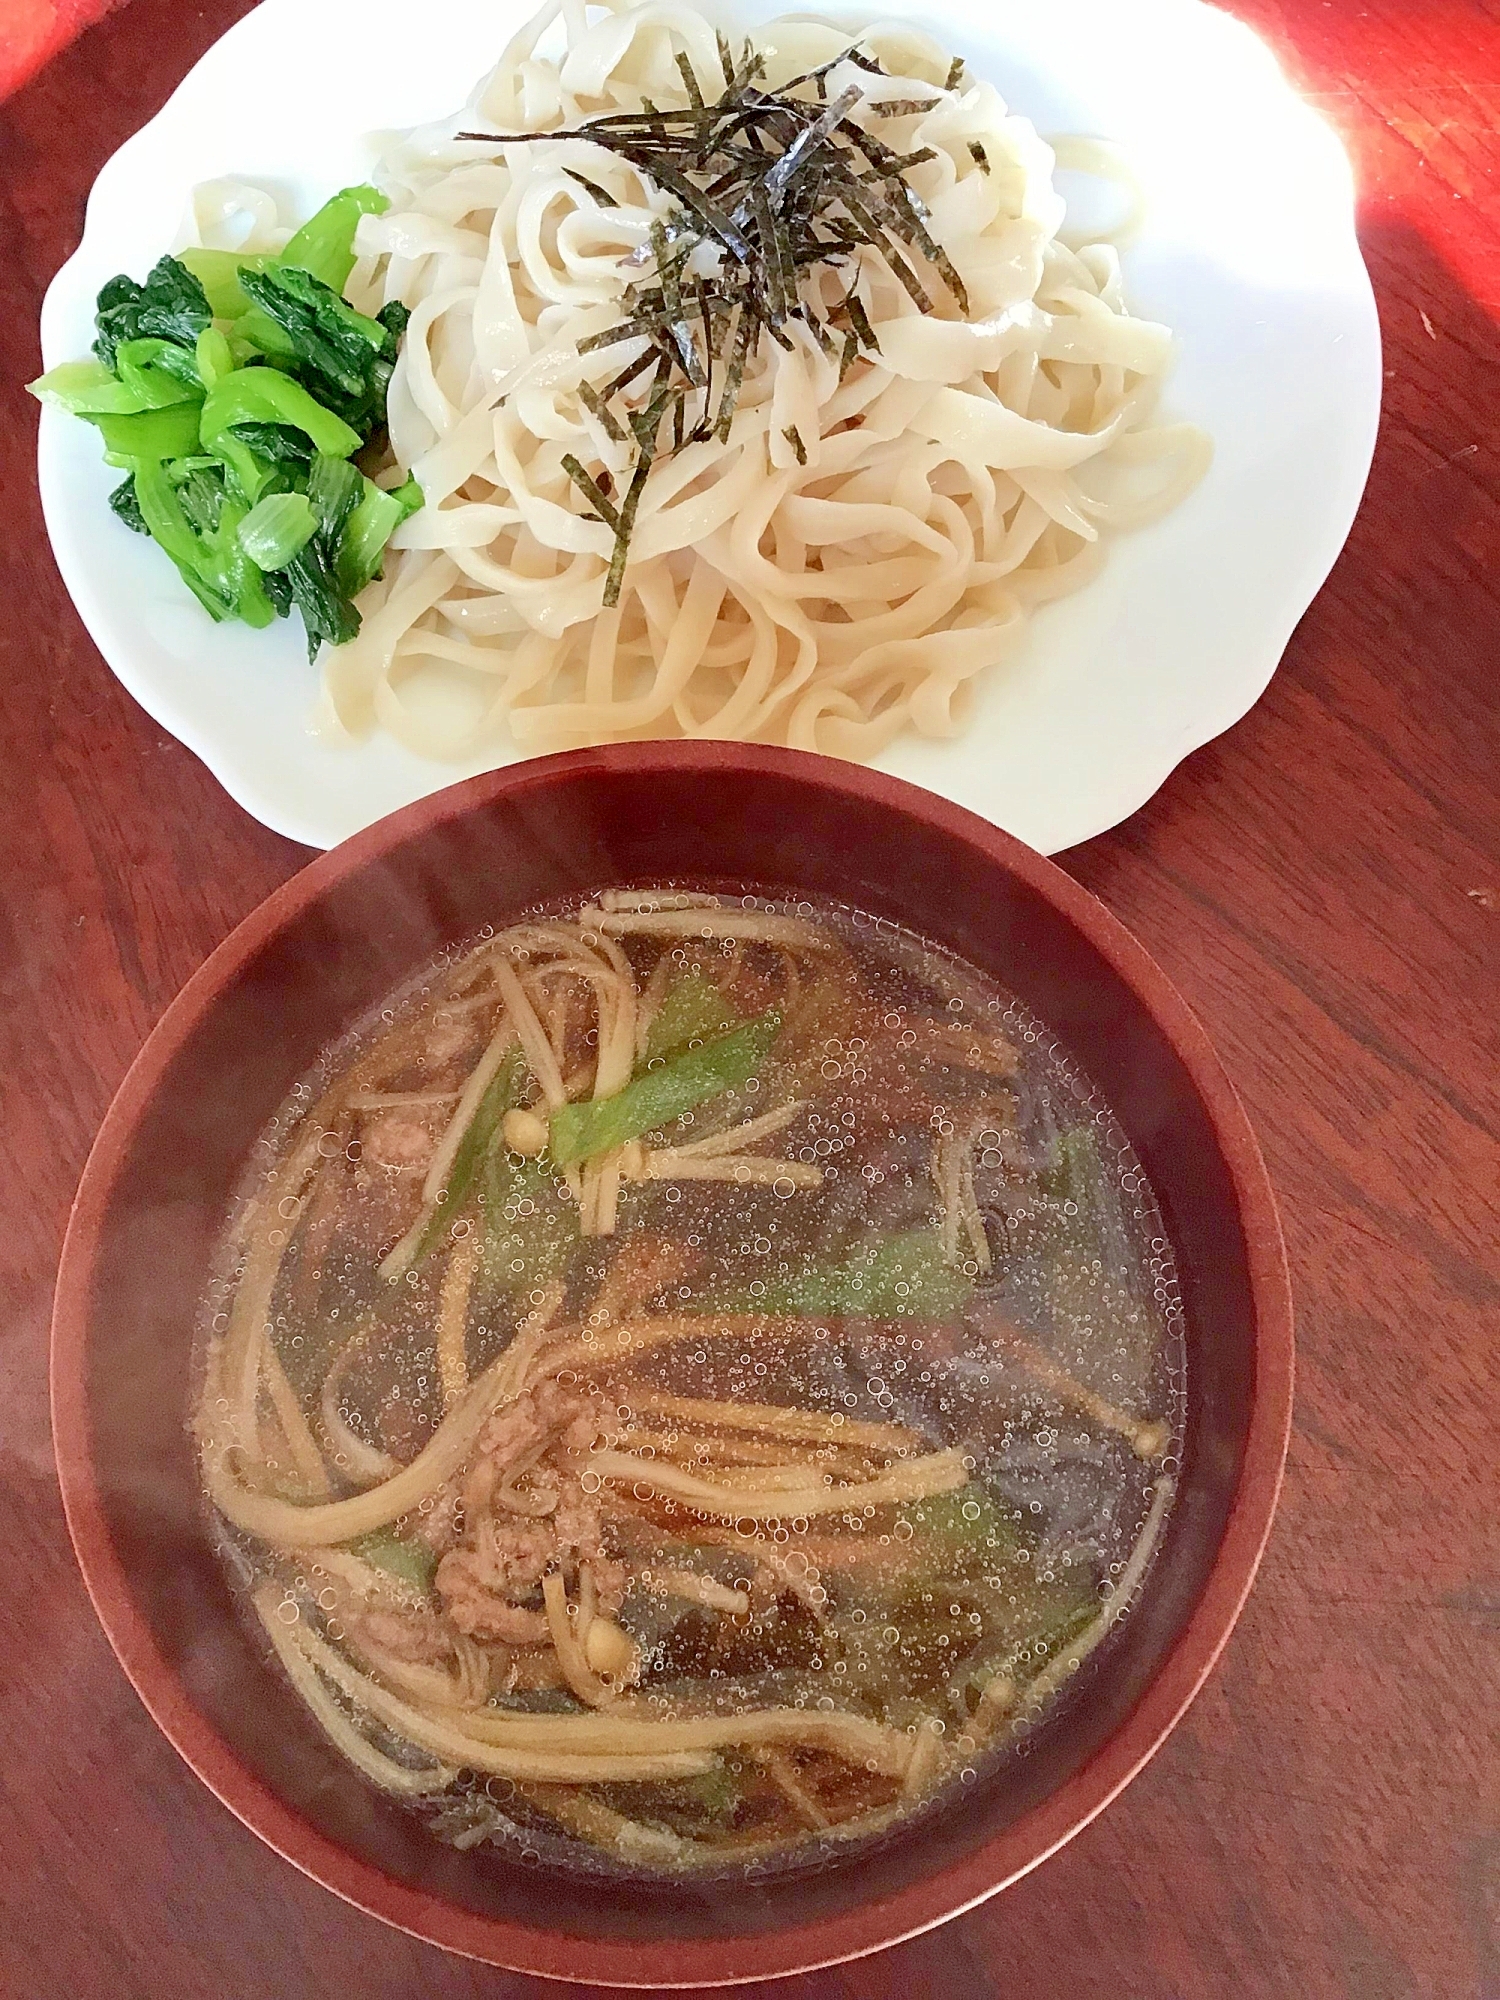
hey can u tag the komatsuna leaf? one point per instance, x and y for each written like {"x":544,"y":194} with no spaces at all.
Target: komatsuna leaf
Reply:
{"x":324,"y":245}
{"x":341,"y":356}
{"x":170,"y":305}
{"x":369,"y":527}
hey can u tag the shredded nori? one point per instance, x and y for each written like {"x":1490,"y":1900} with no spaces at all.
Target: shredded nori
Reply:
{"x":604,"y":508}
{"x":770,"y":187}
{"x":601,"y":195}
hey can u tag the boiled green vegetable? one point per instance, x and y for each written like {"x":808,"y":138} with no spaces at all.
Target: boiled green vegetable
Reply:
{"x":233,"y":390}
{"x":342,"y":357}
{"x":276,"y":528}
{"x":158,"y":434}
{"x":170,"y":305}
{"x":218,"y":271}
{"x":196,"y":521}
{"x":371,"y":523}
{"x":325,"y":245}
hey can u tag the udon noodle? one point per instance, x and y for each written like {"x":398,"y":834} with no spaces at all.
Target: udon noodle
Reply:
{"x":694,"y":1379}
{"x":846,"y":559}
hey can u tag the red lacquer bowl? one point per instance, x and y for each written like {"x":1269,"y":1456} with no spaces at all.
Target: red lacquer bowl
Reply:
{"x":292,"y":977}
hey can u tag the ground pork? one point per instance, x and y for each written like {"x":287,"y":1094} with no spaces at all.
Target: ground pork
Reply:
{"x":401,"y":1140}
{"x":415,"y":1636}
{"x":504,"y":1551}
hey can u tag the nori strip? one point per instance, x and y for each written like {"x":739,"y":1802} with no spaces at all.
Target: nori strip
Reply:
{"x":601,"y":195}
{"x":592,"y":491}
{"x":690,"y":79}
{"x":592,"y":401}
{"x":623,"y":532}
{"x":736,"y":372}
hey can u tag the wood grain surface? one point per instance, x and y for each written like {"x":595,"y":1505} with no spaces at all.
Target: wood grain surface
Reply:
{"x":1323,"y":884}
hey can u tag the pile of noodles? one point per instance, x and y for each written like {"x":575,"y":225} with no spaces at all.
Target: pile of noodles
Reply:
{"x":954,"y":480}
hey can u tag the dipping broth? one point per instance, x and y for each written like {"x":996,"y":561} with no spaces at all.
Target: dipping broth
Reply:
{"x":689,"y":1382}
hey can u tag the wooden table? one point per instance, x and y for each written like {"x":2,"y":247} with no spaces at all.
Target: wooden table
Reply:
{"x":1323,"y":884}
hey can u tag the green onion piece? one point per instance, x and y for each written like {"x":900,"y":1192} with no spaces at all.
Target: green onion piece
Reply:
{"x":324,"y":244}
{"x":276,"y":527}
{"x":503,"y":1089}
{"x":692,"y":1009}
{"x":410,"y":1560}
{"x":266,"y":396}
{"x":971,"y":1518}
{"x":579,"y":1131}
{"x":526,"y":1222}
{"x":218,"y":272}
{"x":154,"y":434}
{"x":889,"y":1277}
{"x":1073,"y":1172}
{"x":1056,"y":1629}
{"x":374,"y":519}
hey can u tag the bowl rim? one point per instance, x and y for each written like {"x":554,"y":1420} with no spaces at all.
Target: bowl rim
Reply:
{"x":796,"y":1947}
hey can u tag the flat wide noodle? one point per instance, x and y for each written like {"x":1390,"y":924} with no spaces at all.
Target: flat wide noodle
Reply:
{"x":951,"y":480}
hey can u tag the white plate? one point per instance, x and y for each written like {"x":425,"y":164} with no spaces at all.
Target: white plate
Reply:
{"x":1248,"y":252}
